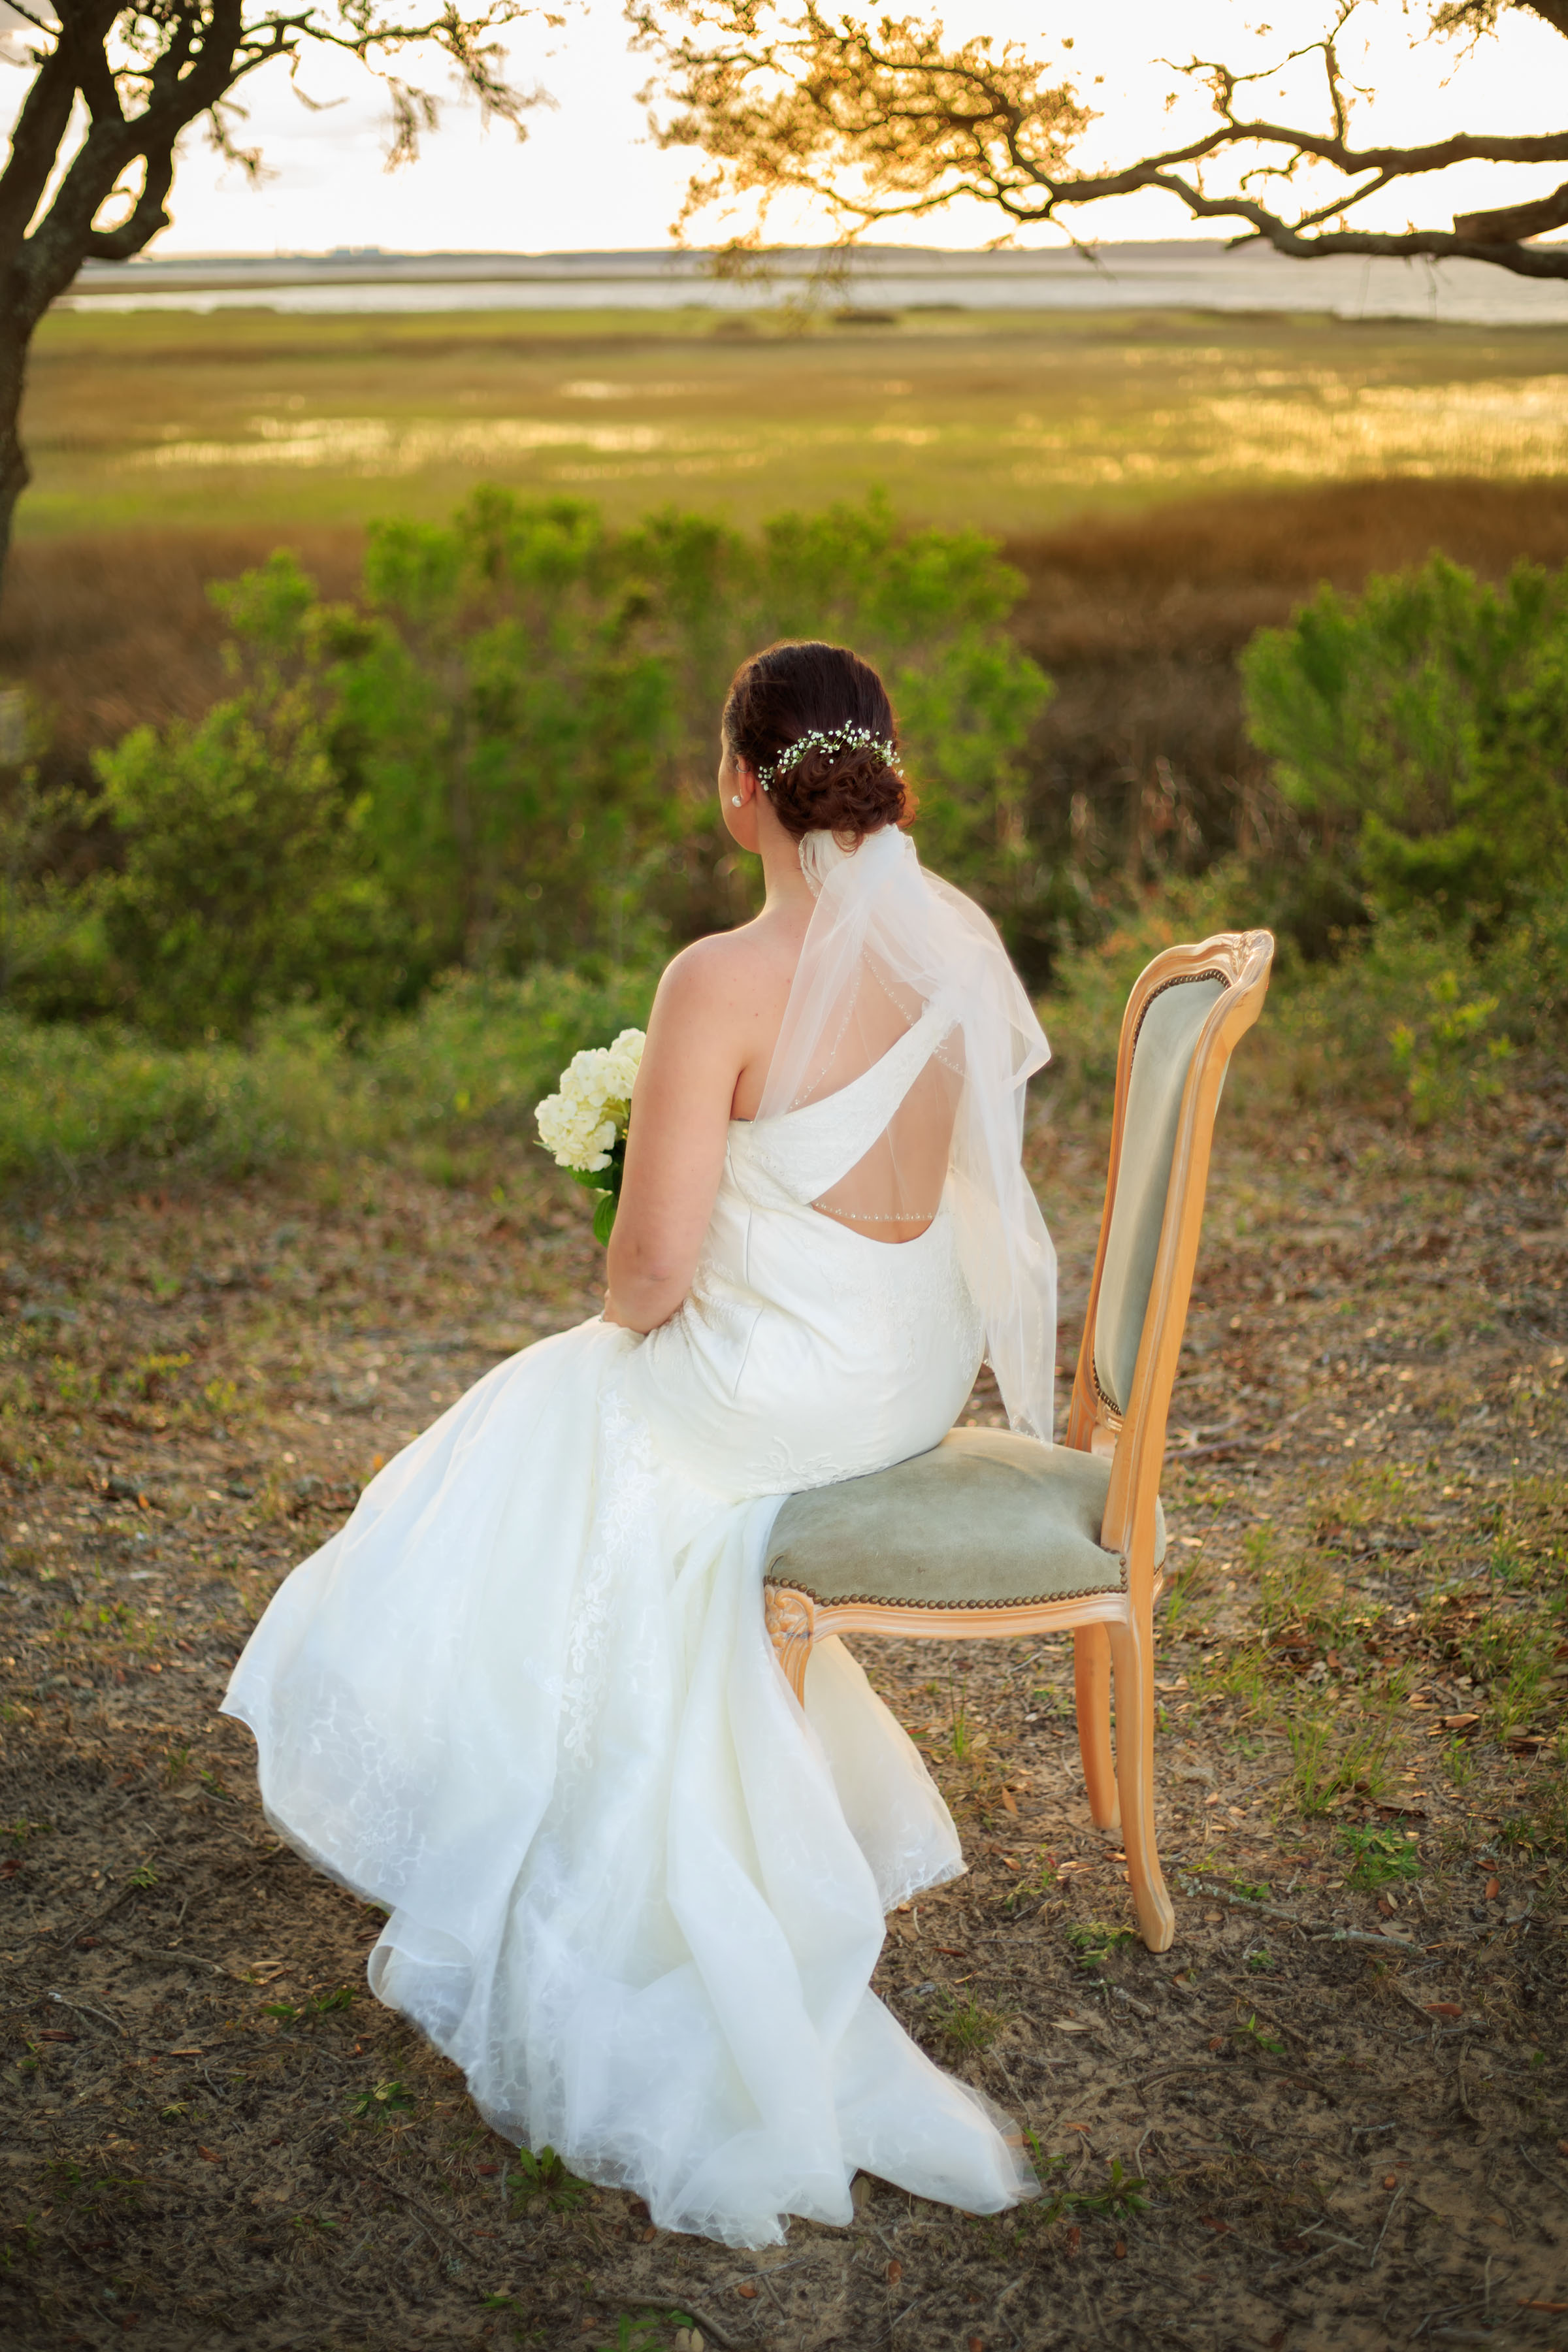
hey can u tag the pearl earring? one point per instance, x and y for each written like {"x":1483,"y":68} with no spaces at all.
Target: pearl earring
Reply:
{"x":734,"y":800}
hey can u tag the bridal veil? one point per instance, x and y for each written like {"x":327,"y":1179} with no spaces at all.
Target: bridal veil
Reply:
{"x":896,"y":960}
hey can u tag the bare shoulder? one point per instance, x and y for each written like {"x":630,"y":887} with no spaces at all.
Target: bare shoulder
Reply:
{"x":728,"y":974}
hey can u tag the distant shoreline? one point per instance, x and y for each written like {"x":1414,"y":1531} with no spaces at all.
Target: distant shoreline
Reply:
{"x":1176,"y":274}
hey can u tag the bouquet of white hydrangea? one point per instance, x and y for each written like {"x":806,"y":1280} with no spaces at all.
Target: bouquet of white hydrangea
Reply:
{"x":584,"y":1125}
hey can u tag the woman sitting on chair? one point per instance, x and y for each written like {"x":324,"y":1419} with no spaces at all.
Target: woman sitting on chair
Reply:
{"x":525,"y":1698}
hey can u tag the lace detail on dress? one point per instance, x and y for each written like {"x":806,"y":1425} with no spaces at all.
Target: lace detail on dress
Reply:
{"x":623,"y":1514}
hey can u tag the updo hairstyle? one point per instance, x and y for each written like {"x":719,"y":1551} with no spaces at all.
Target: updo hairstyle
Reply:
{"x":795,"y":689}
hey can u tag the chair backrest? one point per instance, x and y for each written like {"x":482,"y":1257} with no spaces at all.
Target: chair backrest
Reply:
{"x":1184,"y":1017}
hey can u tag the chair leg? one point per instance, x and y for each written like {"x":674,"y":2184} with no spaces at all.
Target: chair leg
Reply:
{"x":1091,"y":1689}
{"x":1133,"y":1657}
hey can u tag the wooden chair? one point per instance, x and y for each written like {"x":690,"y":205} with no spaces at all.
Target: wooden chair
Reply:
{"x":993,"y":1535}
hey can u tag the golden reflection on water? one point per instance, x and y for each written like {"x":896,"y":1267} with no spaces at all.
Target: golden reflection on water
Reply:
{"x":1316,"y":426}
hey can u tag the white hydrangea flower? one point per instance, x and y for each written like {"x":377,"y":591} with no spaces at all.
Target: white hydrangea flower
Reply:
{"x":582,"y":1124}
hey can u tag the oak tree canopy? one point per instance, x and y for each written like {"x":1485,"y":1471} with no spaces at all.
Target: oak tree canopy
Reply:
{"x":887,"y":119}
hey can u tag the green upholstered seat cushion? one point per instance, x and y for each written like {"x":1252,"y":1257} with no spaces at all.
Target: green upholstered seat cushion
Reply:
{"x":1166,"y":1039}
{"x":984,"y":1519}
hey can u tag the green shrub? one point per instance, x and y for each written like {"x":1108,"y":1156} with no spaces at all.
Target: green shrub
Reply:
{"x":51,"y":944}
{"x":1423,"y":730}
{"x":246,"y":882}
{"x":1407,"y":1017}
{"x":503,"y":754}
{"x":506,"y":712}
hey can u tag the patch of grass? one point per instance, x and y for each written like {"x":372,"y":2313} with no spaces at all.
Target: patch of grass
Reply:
{"x":466,"y":1070}
{"x":1120,"y":2199}
{"x":1378,"y":1856}
{"x":635,"y":2335}
{"x":1302,"y":1603}
{"x":1542,"y":1824}
{"x":1095,"y":1943}
{"x":969,"y":2027}
{"x":152,"y":416}
{"x":962,"y":1737}
{"x":1331,"y":1759}
{"x":542,"y":2174}
{"x":1249,"y":1890}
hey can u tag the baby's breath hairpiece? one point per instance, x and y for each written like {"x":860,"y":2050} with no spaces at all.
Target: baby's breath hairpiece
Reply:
{"x":829,"y":738}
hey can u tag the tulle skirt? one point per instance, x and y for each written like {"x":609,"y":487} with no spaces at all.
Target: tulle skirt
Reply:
{"x":525,"y":1700}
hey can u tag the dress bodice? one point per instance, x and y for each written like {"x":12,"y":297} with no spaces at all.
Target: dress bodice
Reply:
{"x":804,"y":1152}
{"x":807,"y":1351}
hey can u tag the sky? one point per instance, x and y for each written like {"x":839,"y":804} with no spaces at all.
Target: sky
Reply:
{"x":588,"y":176}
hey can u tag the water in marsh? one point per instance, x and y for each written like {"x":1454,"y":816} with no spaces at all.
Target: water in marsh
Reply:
{"x":1190,"y":274}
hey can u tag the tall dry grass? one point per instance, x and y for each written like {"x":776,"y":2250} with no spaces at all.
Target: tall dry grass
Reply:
{"x":115,"y":629}
{"x":1140,"y":621}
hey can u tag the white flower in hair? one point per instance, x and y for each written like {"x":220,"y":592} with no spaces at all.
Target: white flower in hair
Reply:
{"x":828,"y":739}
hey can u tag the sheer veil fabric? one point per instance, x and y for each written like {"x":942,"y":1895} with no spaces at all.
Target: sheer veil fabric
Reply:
{"x":524,"y":1699}
{"x":890,"y":951}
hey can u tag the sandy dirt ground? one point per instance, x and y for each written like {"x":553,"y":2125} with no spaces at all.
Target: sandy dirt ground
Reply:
{"x":1334,"y":2115}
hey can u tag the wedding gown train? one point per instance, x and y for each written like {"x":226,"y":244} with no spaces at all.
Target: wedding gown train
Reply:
{"x":525,"y":1700}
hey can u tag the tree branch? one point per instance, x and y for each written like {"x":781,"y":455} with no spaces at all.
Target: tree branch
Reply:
{"x":147,"y":216}
{"x":1515,"y":221}
{"x":886,"y":123}
{"x":40,"y":127}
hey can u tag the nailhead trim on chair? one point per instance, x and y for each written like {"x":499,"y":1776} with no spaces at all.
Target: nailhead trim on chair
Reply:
{"x":887,"y":1601}
{"x":1180,"y":979}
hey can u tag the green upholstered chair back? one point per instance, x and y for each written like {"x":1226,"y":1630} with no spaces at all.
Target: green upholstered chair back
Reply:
{"x":1161,"y":1056}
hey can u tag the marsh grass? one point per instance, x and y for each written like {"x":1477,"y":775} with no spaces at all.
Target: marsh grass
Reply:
{"x":1138,"y":598}
{"x":1009,"y":421}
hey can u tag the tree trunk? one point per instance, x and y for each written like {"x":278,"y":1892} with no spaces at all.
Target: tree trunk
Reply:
{"x":14,"y":471}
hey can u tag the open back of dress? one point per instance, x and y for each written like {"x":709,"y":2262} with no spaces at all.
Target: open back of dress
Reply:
{"x":895,"y":1191}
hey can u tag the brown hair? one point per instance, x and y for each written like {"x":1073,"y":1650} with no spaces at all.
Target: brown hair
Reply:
{"x":793,"y":689}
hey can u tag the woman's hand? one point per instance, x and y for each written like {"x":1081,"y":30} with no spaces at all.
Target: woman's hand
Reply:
{"x":698,"y":1034}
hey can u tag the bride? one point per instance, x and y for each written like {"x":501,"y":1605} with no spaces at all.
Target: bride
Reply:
{"x":525,"y":1700}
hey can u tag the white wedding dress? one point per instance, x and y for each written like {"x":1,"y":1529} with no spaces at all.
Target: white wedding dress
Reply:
{"x":525,"y":1699}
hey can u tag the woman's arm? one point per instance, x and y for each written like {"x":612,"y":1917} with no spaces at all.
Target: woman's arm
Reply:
{"x":698,"y":1037}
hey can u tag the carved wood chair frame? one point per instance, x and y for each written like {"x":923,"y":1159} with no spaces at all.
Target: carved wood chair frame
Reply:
{"x":1113,"y":1636}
